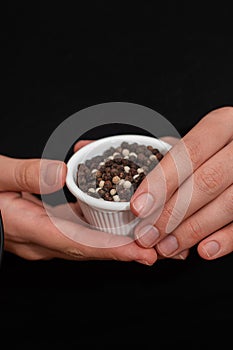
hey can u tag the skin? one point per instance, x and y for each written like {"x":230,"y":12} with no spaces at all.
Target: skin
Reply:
{"x":29,"y":231}
{"x":202,"y":161}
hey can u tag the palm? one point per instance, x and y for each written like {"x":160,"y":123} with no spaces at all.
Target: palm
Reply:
{"x":31,"y":233}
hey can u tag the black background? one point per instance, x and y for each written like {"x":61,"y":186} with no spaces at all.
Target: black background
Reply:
{"x":58,"y":59}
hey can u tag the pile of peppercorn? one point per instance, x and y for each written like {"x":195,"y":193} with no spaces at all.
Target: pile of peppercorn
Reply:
{"x":116,"y":174}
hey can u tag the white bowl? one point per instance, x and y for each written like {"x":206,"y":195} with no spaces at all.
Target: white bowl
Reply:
{"x":112,"y":217}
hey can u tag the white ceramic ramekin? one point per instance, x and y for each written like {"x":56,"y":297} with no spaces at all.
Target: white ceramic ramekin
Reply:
{"x":112,"y":217}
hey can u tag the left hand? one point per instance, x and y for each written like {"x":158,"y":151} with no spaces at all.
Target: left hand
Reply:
{"x":197,"y":206}
{"x":36,"y":231}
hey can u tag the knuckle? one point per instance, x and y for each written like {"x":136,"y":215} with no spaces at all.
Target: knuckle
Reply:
{"x":194,"y":230}
{"x":225,"y":112}
{"x":193,"y":149}
{"x":170,"y":214}
{"x":228,"y":204}
{"x":167,"y":212}
{"x":209,"y":179}
{"x":24,"y":176}
{"x":230,"y":233}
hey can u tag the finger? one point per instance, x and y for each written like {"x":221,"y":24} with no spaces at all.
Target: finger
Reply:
{"x":31,"y":175}
{"x":218,"y":244}
{"x":27,"y":251}
{"x":30,"y":251}
{"x":81,"y":144}
{"x":94,"y":244}
{"x":209,"y":181}
{"x":147,"y":236}
{"x":62,"y":210}
{"x":182,"y":160}
{"x":33,"y":252}
{"x":68,"y":237}
{"x":170,"y":140}
{"x":30,"y":197}
{"x":67,"y":211}
{"x":199,"y":225}
{"x":181,"y":256}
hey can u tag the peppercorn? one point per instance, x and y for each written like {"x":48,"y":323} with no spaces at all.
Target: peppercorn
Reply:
{"x":117,"y":174}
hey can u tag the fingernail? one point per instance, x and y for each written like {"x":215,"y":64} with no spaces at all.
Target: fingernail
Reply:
{"x":180,"y":256}
{"x":168,"y":245}
{"x":52,"y":173}
{"x":143,"y":203}
{"x":147,"y":236}
{"x":211,"y":248}
{"x":144,"y":262}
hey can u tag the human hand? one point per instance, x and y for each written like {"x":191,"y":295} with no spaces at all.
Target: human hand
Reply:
{"x":33,"y":234}
{"x":201,"y":161}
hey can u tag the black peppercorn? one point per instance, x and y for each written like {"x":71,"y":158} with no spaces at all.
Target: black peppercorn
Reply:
{"x":117,"y":174}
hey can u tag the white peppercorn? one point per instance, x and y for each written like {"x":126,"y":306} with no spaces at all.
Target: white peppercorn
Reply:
{"x":125,"y":152}
{"x":116,"y":198}
{"x":127,"y":184}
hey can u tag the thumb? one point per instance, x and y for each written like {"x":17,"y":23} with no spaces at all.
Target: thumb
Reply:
{"x":31,"y":175}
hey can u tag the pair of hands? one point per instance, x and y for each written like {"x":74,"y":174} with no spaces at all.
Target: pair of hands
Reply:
{"x":196,"y":210}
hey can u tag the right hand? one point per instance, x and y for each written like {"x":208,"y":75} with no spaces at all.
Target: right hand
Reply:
{"x":187,"y":200}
